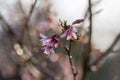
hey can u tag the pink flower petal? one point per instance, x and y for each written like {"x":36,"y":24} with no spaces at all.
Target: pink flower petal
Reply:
{"x":78,"y":21}
{"x":56,"y":45}
{"x":43,"y":36}
{"x":64,"y":34}
{"x":74,"y":35}
{"x":52,"y":51}
{"x":46,"y":51}
{"x":69,"y":37}
{"x":45,"y":41}
{"x":75,"y":29}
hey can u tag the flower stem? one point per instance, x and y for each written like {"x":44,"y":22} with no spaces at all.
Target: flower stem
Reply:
{"x":70,"y":60}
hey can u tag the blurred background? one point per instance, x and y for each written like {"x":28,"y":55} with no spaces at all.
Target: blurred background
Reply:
{"x":21,"y":21}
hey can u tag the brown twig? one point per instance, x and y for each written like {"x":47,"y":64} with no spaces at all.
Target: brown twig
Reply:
{"x":90,"y":27}
{"x":107,"y":51}
{"x":10,"y":35}
{"x":115,"y":51}
{"x":64,"y":46}
{"x":68,"y":50}
{"x":26,"y":26}
{"x":7,"y":28}
{"x":21,"y":8}
{"x":87,"y":48}
{"x":70,"y":59}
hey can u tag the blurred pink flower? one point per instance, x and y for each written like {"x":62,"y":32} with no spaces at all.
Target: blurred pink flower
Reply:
{"x":77,"y":21}
{"x":69,"y":33}
{"x":27,"y":76}
{"x":52,"y":40}
{"x":48,"y":49}
{"x":49,"y":43}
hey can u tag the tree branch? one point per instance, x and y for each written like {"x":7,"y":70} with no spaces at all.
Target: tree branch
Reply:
{"x":87,"y":47}
{"x":107,"y":51}
{"x":70,"y":60}
{"x":25,"y":30}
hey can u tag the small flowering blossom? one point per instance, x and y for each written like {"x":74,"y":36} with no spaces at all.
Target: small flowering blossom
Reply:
{"x":77,"y":21}
{"x":44,"y":39}
{"x":53,"y":40}
{"x":48,"y":49}
{"x":49,"y":43}
{"x":69,"y":33}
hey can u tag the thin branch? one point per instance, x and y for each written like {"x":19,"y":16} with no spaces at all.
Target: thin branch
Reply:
{"x":93,"y":13}
{"x":10,"y":34}
{"x":8,"y":30}
{"x":68,"y":50}
{"x":90,"y":27}
{"x":64,"y":46}
{"x":26,"y":24}
{"x":87,"y":48}
{"x":20,"y":6}
{"x":108,"y":51}
{"x":45,"y":71}
{"x":31,"y":11}
{"x":70,"y":60}
{"x":116,"y":51}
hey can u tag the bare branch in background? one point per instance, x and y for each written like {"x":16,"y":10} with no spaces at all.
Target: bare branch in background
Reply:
{"x":107,"y":52}
{"x":20,"y":6}
{"x":10,"y":34}
{"x":7,"y":28}
{"x":23,"y":41}
{"x":45,"y":71}
{"x":116,"y":51}
{"x":87,"y":48}
{"x":25,"y":30}
{"x":93,"y":5}
{"x":86,"y":54}
{"x":97,"y":12}
{"x":96,"y":3}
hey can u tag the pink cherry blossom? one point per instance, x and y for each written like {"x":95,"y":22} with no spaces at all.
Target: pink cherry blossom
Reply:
{"x":52,"y":40}
{"x":77,"y":21}
{"x":49,"y":43}
{"x":69,"y":33}
{"x":48,"y":49}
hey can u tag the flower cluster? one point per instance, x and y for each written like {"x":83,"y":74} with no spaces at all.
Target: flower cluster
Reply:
{"x":49,"y":43}
{"x":69,"y":33}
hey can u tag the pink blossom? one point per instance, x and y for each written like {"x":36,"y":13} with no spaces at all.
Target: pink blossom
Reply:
{"x":78,"y":21}
{"x":49,"y":43}
{"x":48,"y":49}
{"x":52,"y":40}
{"x":69,"y":33}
